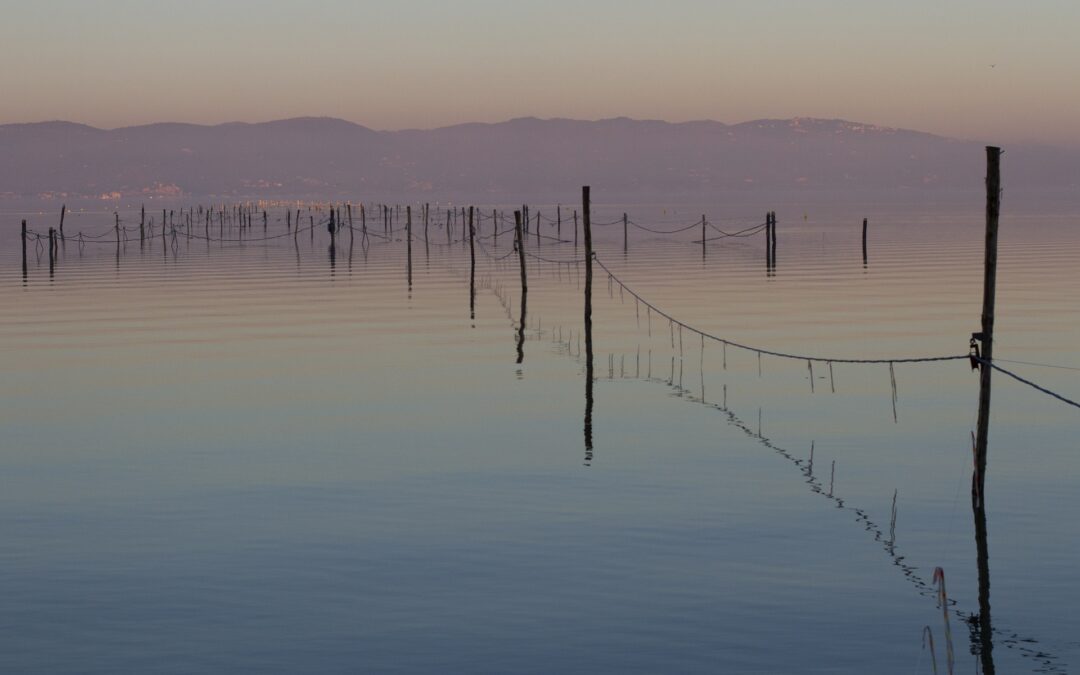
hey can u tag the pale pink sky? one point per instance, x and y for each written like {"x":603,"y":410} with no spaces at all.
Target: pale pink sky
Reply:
{"x":991,"y":70}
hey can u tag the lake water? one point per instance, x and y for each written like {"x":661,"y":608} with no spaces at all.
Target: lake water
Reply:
{"x":258,"y":457}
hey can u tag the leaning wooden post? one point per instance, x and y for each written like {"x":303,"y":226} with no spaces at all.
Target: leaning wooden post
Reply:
{"x":63,"y":212}
{"x":586,"y":218}
{"x":864,"y":241}
{"x":986,"y":337}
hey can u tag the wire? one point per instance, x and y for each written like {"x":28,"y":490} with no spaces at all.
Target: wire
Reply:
{"x":1027,"y":382}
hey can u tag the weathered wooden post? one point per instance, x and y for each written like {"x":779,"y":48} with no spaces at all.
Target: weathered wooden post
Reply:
{"x":864,"y":242}
{"x":519,"y":242}
{"x":538,"y":229}
{"x":986,"y":336}
{"x":472,"y":266}
{"x":773,"y":213}
{"x":408,"y":244}
{"x":589,"y":372}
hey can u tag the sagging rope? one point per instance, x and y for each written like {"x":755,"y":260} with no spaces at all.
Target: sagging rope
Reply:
{"x":768,"y":352}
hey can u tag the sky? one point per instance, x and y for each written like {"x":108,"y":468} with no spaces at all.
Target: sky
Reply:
{"x":992,"y":71}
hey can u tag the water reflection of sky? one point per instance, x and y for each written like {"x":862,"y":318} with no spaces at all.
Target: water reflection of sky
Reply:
{"x":233,"y":457}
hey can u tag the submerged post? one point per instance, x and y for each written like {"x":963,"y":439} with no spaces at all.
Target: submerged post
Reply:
{"x":986,"y":336}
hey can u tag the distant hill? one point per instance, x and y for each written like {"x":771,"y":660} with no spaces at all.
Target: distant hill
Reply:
{"x":527,"y":157}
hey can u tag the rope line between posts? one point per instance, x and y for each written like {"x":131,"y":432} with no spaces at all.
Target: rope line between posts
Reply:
{"x":1027,"y":382}
{"x":769,"y":352}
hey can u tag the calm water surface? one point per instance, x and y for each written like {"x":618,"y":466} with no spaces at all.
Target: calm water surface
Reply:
{"x":262,"y":457}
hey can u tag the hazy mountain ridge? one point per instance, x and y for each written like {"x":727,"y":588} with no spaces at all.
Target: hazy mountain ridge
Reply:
{"x":327,"y":157}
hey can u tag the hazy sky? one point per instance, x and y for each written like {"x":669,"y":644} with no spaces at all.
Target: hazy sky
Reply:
{"x":924,"y":64}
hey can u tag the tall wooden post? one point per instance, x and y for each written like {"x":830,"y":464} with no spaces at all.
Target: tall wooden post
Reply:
{"x":408,"y":242}
{"x":575,"y":228}
{"x":519,"y":242}
{"x":768,"y":239}
{"x":703,"y":235}
{"x":537,"y":230}
{"x":472,"y":266}
{"x":986,"y":336}
{"x":589,"y":371}
{"x":63,"y":212}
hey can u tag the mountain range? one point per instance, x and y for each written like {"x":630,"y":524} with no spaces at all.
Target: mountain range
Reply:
{"x":327,"y":158}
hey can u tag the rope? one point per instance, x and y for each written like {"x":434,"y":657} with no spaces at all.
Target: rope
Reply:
{"x":681,"y":229}
{"x":768,"y":352}
{"x":573,"y":261}
{"x":1027,"y":382}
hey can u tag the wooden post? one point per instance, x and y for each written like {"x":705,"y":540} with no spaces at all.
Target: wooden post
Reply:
{"x":449,"y":230}
{"x":427,"y":210}
{"x":63,"y":212}
{"x":52,"y":249}
{"x":986,"y":336}
{"x":495,"y":222}
{"x":164,"y":220}
{"x":575,"y":228}
{"x":538,"y":230}
{"x":589,"y":372}
{"x":864,"y":242}
{"x":558,"y":221}
{"x":625,"y":238}
{"x":408,"y":243}
{"x":703,"y":235}
{"x":519,"y":241}
{"x":773,"y":213}
{"x":24,"y":249}
{"x":768,"y":240}
{"x":264,"y":222}
{"x":472,"y":266}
